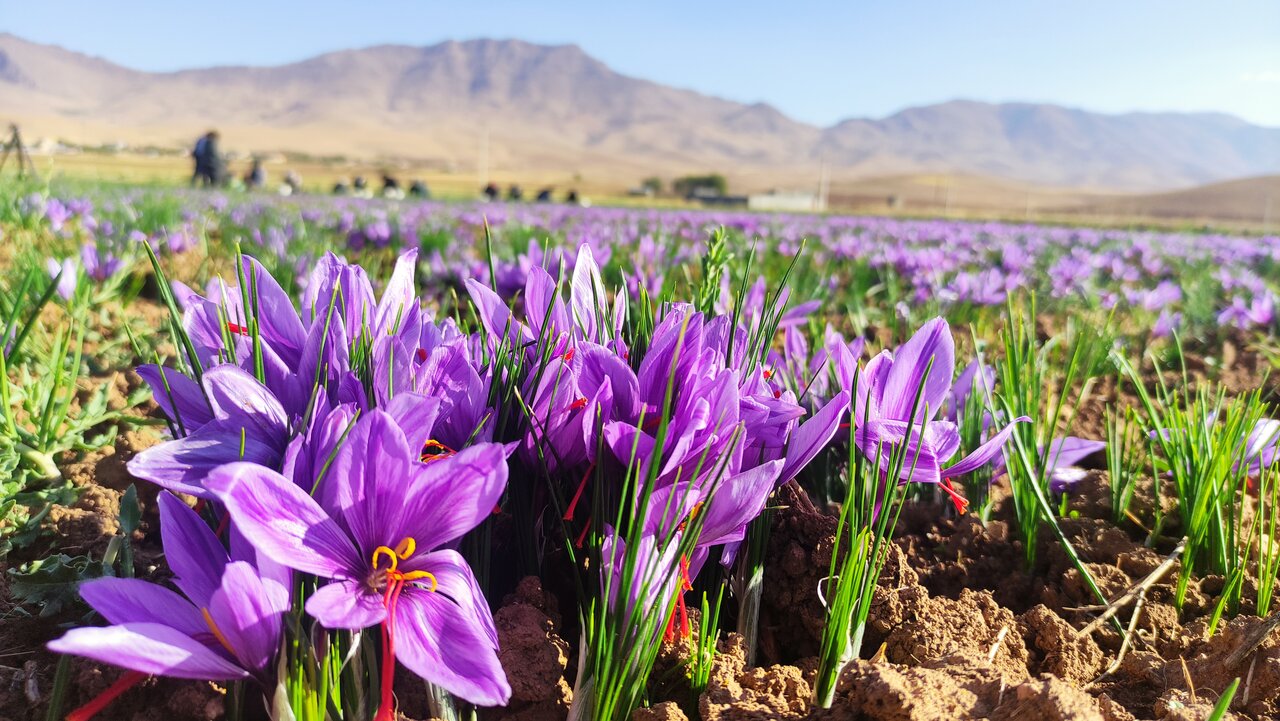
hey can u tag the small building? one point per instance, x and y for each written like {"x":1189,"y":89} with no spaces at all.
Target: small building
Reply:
{"x":784,"y":201}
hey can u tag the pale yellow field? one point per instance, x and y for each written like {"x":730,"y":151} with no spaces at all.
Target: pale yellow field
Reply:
{"x":1251,"y":205}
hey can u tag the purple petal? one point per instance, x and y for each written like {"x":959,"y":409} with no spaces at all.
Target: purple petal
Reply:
{"x":869,"y":392}
{"x":845,"y":364}
{"x":541,"y":296}
{"x":587,"y":296}
{"x":813,"y":435}
{"x":149,"y":648}
{"x":234,"y":393}
{"x":365,"y":487}
{"x":182,"y":465}
{"x":451,"y":496}
{"x":399,"y":298}
{"x":736,"y":502}
{"x":194,"y":553}
{"x":285,"y":523}
{"x":627,"y":442}
{"x":983,"y":453}
{"x":346,"y":604}
{"x":246,"y":616}
{"x":456,"y":581}
{"x":416,"y":415}
{"x":277,"y":578}
{"x":441,"y":641}
{"x":943,"y":438}
{"x":1263,"y":438}
{"x":1067,"y":452}
{"x":880,"y":439}
{"x":495,"y":316}
{"x":132,"y":600}
{"x":181,"y":398}
{"x":931,"y":349}
{"x":276,"y":315}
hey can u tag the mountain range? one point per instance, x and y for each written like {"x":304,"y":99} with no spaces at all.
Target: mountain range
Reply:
{"x":508,"y":104}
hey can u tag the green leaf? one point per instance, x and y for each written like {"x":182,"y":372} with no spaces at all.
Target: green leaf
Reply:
{"x":52,"y":583}
{"x":1220,"y":708}
{"x":130,"y":511}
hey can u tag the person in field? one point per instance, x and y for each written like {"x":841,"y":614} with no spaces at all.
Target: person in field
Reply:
{"x":292,"y":184}
{"x":209,"y":171}
{"x":199,"y":158}
{"x":257,"y":175}
{"x":391,"y":187}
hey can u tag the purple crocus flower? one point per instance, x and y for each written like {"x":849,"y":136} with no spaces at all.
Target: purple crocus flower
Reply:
{"x":882,"y":411}
{"x":379,"y":526}
{"x":587,"y":317}
{"x":98,"y":264}
{"x":227,"y":627}
{"x":725,"y":507}
{"x":1165,"y":324}
{"x":1262,"y":447}
{"x":1064,"y":454}
{"x":67,"y":275}
{"x":657,"y":575}
{"x":241,"y":420}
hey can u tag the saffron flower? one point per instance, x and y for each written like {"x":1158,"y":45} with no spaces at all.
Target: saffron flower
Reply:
{"x":379,"y":527}
{"x":227,"y":627}
{"x":887,"y":412}
{"x":1064,"y":454}
{"x":235,"y":418}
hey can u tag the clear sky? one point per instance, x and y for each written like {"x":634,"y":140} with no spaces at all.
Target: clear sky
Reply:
{"x":816,"y":61}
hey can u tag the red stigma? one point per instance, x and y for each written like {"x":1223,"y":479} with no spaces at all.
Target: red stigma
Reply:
{"x":568,"y":355}
{"x":582,"y":537}
{"x":237,"y":329}
{"x":386,"y":706}
{"x":777,"y":394}
{"x":577,"y":495}
{"x":578,"y":404}
{"x":422,"y":354}
{"x":960,"y":502}
{"x":681,"y":611}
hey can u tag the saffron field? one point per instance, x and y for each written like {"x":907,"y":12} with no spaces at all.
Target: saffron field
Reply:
{"x":331,"y":458}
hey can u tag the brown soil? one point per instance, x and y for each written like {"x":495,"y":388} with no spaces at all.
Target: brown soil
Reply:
{"x":958,"y":616}
{"x":533,"y":655}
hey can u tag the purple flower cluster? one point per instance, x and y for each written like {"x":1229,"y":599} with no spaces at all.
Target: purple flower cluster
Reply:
{"x":305,"y":433}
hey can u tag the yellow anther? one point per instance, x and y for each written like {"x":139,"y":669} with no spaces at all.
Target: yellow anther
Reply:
{"x":406,"y":547}
{"x":217,"y":633}
{"x":384,"y":551}
{"x":418,"y":575}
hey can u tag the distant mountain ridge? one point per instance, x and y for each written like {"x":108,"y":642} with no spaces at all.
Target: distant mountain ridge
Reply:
{"x":518,"y":105}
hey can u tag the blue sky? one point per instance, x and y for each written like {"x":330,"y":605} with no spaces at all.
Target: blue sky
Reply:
{"x":816,"y":61}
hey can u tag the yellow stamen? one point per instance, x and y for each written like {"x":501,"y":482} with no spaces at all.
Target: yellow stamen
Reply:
{"x":693,"y":516}
{"x":389,"y":553}
{"x":406,"y":547}
{"x":217,"y":633}
{"x":417,"y":575}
